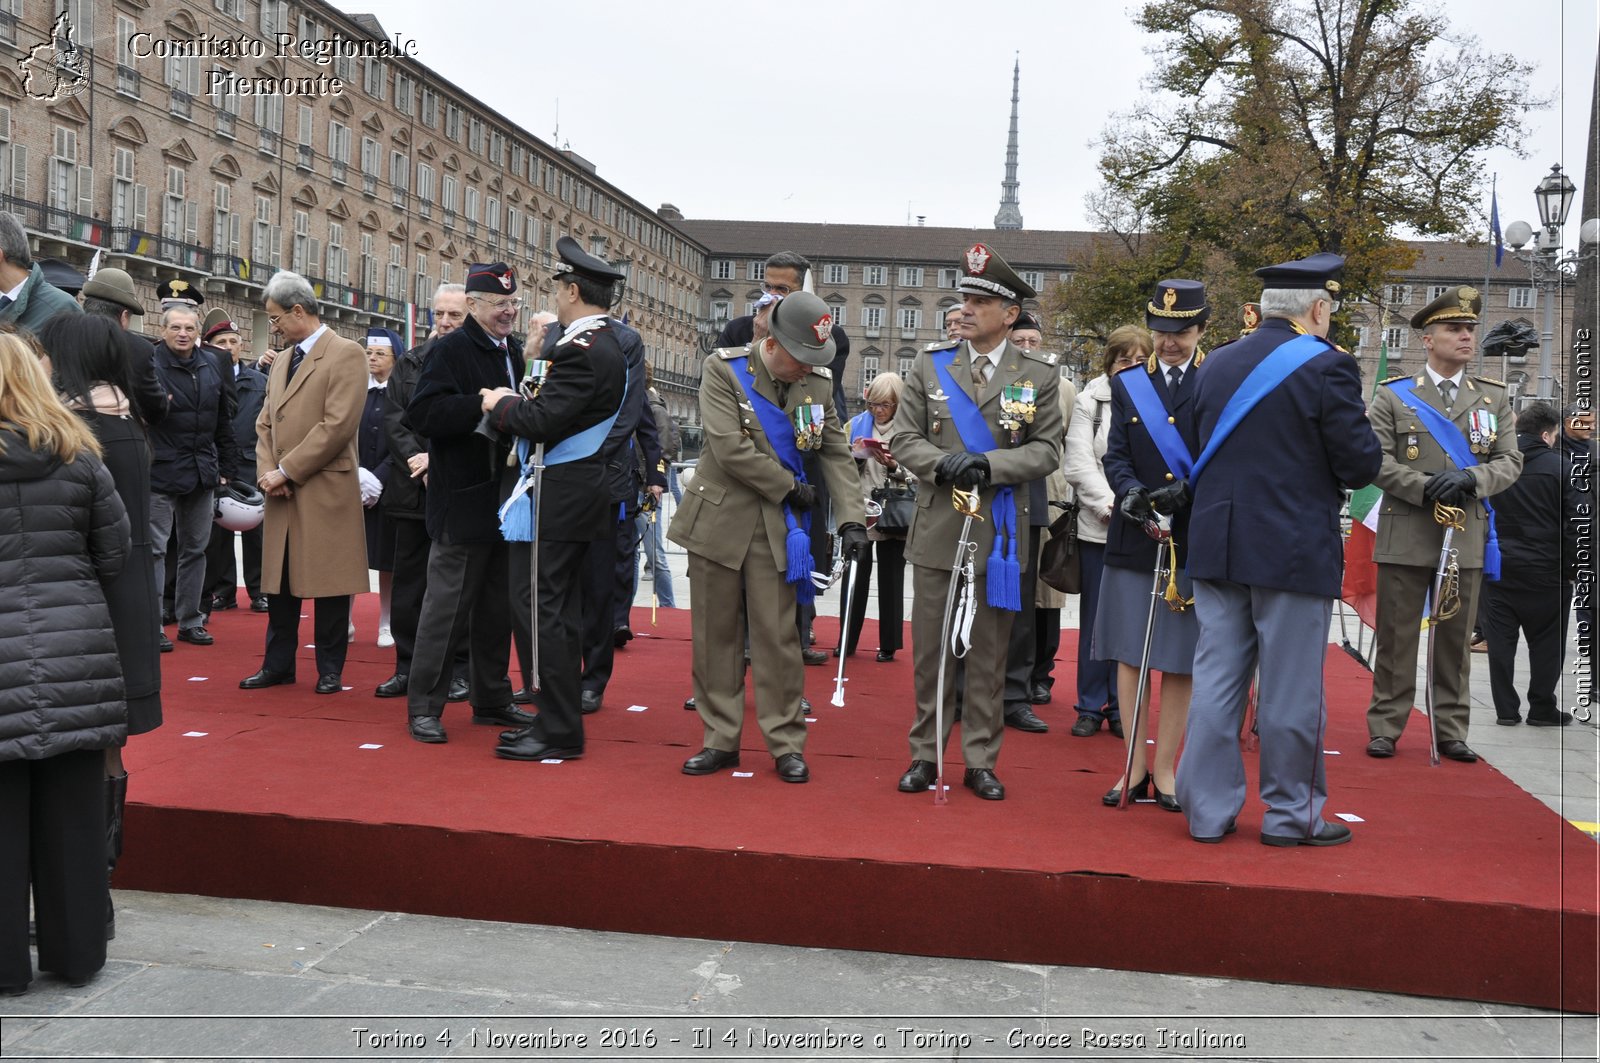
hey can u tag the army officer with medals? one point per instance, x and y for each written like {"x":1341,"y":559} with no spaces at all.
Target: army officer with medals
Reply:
{"x":570,"y":413}
{"x":979,"y":414}
{"x":1148,"y":451}
{"x":1447,"y":437}
{"x":745,"y":521}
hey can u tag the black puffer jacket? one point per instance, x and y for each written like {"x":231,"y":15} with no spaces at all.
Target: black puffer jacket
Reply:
{"x":194,"y":444}
{"x":63,"y":533}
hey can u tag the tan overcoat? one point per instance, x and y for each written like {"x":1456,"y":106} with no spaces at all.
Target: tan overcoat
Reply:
{"x":308,"y":428}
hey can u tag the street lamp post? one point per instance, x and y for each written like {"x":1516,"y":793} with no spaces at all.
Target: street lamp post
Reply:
{"x":1547,"y":267}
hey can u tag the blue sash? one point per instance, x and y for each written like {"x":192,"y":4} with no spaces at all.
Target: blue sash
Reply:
{"x":1271,"y":371}
{"x":1163,"y":433}
{"x":520,"y":524}
{"x":780,"y":433}
{"x":1004,"y":579}
{"x":860,"y":426}
{"x":1454,"y":444}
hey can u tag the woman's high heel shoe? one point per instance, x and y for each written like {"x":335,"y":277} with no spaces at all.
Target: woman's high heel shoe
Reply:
{"x":1140,"y":792}
{"x":1167,"y":801}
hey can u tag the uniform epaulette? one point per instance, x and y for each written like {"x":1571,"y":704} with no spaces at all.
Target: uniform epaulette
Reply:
{"x":1391,"y":380}
{"x":728,"y":354}
{"x":1491,"y":380}
{"x":1047,"y":357}
{"x":823,"y":371}
{"x":941,"y":345}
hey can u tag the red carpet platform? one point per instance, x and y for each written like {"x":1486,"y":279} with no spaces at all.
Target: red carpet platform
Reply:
{"x":1458,"y":884}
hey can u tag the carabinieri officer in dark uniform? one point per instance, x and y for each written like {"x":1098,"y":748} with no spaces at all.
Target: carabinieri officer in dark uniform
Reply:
{"x":571,"y":414}
{"x":1266,"y":554}
{"x":1147,"y":450}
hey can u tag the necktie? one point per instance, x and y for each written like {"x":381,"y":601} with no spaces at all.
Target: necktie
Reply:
{"x":1447,"y":388}
{"x":980,"y":375}
{"x":294,"y":362}
{"x":1174,"y":378}
{"x":5,"y":301}
{"x":783,"y":393}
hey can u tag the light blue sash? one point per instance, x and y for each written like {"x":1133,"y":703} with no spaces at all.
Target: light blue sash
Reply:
{"x":1004,"y":578}
{"x":780,"y":433}
{"x":1163,"y":433}
{"x":1271,"y":371}
{"x":1454,"y":444}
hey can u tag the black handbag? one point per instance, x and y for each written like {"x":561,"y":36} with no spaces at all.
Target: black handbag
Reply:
{"x":899,"y":502}
{"x":1060,"y":564}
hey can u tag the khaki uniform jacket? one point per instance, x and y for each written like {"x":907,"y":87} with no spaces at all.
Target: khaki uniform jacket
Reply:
{"x":1407,"y":532}
{"x":739,"y":484}
{"x":308,"y":428}
{"x":925,"y":433}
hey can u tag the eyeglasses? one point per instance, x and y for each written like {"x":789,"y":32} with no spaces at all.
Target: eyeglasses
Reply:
{"x":881,"y":405}
{"x":501,"y":305}
{"x":776,"y":289}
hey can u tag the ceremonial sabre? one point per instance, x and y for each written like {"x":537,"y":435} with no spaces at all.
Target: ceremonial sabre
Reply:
{"x":649,"y":505}
{"x":537,"y":368}
{"x":1445,"y":603}
{"x":966,"y":503}
{"x":1162,"y":572}
{"x":844,"y":632}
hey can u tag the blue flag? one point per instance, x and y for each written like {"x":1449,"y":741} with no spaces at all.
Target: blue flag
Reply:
{"x":1494,"y":227}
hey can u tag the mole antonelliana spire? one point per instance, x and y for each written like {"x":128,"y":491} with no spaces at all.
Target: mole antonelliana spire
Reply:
{"x":1010,"y":213}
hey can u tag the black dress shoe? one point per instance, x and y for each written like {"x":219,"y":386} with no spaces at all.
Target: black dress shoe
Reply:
{"x":984,"y":783}
{"x":622,"y":636}
{"x":1140,"y":792}
{"x":1023,"y":719}
{"x":885,"y":656}
{"x":1114,"y":725}
{"x":792,"y":768}
{"x":265,"y":678}
{"x":199,"y":636}
{"x":1327,"y":834}
{"x":523,"y":696}
{"x":814,"y":656}
{"x":427,"y":729}
{"x":1039,"y":695}
{"x":1455,"y":749}
{"x":529,"y":746}
{"x":168,"y":617}
{"x":1512,"y":721}
{"x":460,"y":690}
{"x":1085,"y":727}
{"x":258,"y":605}
{"x":709,"y":760}
{"x":394,"y":687}
{"x":1166,"y":801}
{"x":329,"y":683}
{"x":591,"y":702}
{"x":504,"y":716}
{"x":1380,"y":747}
{"x":223,"y":602}
{"x":1231,"y":828}
{"x":164,"y":642}
{"x":688,"y":704}
{"x":918,"y":777}
{"x":1560,"y":719}
{"x":805,"y":705}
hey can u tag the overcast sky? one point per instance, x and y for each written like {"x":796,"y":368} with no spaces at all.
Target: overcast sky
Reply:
{"x":865,"y":112}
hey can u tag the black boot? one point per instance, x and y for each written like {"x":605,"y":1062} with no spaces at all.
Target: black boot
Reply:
{"x":116,"y":798}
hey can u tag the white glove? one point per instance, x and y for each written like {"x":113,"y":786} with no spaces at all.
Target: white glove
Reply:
{"x":371,"y":488}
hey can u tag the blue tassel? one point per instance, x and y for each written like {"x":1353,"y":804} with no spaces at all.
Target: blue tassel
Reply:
{"x":1009,"y":581}
{"x":797,"y":558}
{"x":516,"y":523}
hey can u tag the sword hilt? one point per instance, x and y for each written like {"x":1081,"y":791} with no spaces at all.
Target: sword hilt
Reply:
{"x":966,"y":502}
{"x":1453,"y":517}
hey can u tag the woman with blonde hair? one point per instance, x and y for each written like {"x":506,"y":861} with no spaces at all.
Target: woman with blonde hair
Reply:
{"x":1084,"y":463}
{"x":880,"y":470}
{"x":63,"y":534}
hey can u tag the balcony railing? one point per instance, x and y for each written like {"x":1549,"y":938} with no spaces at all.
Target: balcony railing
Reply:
{"x":181,"y":105}
{"x":305,"y":157}
{"x":250,"y":271}
{"x":337,"y":169}
{"x":225,"y":124}
{"x":267,"y":141}
{"x":128,"y":81}
{"x":369,"y":184}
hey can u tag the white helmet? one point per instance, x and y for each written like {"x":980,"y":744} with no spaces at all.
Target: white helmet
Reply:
{"x":240,"y":507}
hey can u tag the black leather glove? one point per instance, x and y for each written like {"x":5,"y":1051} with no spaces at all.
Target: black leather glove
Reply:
{"x":801,"y":497}
{"x":1453,"y":487}
{"x":952,"y":467}
{"x":976,"y":474}
{"x":1172,"y":498}
{"x":853,"y":541}
{"x":1135,"y":506}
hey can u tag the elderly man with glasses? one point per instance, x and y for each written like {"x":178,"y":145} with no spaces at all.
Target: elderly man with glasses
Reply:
{"x":468,"y":564}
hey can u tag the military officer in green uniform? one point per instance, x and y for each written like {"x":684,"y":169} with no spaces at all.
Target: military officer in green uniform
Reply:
{"x":978,"y":413}
{"x":1447,"y":437}
{"x":743,"y":522}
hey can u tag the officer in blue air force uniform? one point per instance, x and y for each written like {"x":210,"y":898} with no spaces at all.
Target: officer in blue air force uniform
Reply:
{"x":944,"y":429}
{"x":1266,"y":554}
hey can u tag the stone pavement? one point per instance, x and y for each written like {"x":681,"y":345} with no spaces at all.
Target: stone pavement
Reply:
{"x":198,"y":978}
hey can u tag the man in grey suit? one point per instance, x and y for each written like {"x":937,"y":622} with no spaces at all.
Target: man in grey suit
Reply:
{"x":982,"y":414}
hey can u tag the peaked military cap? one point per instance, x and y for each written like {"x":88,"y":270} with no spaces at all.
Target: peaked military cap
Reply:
{"x":984,"y":272}
{"x":1461,"y":303}
{"x":1320,"y":271}
{"x":1176,"y":305}
{"x":178,"y":290}
{"x":574,"y":259}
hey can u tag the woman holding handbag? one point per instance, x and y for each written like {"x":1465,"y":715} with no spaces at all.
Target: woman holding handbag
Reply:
{"x":886,"y":482}
{"x":1085,"y":468}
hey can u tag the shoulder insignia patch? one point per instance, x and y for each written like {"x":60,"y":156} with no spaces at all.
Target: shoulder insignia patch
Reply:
{"x":1391,"y":380}
{"x":583,"y":340}
{"x":1490,"y":380}
{"x":728,"y":354}
{"x":1047,"y":357}
{"x":823,"y":371}
{"x":941,"y":345}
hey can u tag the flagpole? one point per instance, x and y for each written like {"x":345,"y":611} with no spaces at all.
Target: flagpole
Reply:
{"x":1488,"y":258}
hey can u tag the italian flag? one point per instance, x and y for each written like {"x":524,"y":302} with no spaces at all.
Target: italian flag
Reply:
{"x":1360,"y":589}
